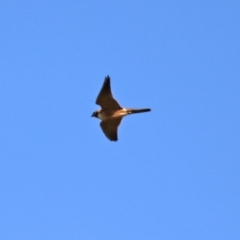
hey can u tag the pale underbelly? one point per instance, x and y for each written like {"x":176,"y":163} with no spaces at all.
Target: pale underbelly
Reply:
{"x":112,"y":114}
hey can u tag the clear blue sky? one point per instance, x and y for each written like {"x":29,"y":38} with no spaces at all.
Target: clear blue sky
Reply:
{"x":173,"y":174}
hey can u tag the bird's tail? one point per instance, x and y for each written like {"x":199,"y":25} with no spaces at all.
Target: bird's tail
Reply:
{"x":140,"y":110}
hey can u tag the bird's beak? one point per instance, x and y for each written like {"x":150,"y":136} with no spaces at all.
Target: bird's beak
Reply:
{"x":92,"y":115}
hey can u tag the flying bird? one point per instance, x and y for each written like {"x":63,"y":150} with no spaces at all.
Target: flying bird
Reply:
{"x":111,"y":113}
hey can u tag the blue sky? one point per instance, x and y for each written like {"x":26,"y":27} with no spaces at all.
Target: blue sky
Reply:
{"x":173,"y":174}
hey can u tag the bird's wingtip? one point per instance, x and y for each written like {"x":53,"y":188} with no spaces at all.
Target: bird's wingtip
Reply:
{"x":107,"y":78}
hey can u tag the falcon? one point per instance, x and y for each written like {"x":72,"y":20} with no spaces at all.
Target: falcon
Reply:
{"x":111,"y":113}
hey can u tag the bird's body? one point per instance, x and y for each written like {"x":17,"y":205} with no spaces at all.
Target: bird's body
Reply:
{"x":105,"y":114}
{"x":111,"y":112}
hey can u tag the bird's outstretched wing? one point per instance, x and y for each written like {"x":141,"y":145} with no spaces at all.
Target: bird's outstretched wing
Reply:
{"x":110,"y":127}
{"x":105,"y":98}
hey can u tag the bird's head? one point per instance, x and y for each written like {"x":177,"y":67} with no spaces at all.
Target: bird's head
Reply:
{"x":95,"y":114}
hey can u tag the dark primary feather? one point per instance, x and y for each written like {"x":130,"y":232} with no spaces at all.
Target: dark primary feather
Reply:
{"x":110,"y":127}
{"x":105,"y":98}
